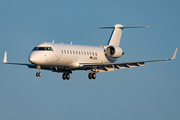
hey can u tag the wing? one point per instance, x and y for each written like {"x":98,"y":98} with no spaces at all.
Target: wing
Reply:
{"x":104,"y":67}
{"x":97,"y":67}
{"x":5,"y":61}
{"x":53,"y":69}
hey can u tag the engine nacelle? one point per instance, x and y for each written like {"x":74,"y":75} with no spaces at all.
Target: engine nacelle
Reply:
{"x":114,"y":51}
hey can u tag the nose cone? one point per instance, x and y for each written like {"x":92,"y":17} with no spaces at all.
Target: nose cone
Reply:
{"x":123,"y":53}
{"x":32,"y":58}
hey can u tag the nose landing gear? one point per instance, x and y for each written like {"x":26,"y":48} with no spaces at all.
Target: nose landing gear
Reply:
{"x":38,"y":74}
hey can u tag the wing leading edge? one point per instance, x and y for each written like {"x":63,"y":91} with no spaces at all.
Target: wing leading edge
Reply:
{"x":104,"y":67}
{"x":5,"y":61}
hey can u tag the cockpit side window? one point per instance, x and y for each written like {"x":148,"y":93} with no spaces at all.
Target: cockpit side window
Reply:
{"x":42,"y":49}
{"x":49,"y":48}
{"x":34,"y":49}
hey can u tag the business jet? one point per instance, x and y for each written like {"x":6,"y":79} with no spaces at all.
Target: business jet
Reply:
{"x":65,"y":58}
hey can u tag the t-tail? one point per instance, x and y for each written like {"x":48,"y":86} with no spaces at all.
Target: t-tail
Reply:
{"x":115,"y":37}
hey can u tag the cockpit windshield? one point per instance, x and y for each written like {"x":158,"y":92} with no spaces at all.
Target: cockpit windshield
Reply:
{"x":42,"y":49}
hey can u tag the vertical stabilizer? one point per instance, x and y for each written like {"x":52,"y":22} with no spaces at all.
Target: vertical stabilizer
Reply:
{"x":115,"y":35}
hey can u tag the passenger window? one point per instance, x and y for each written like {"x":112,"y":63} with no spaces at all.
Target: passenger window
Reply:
{"x":76,"y":53}
{"x":73,"y":52}
{"x":79,"y":53}
{"x":67,"y":52}
{"x":96,"y":54}
{"x":70,"y":52}
{"x":84,"y":53}
{"x":90,"y":53}
{"x":64,"y":51}
{"x":93,"y":53}
{"x":87,"y":53}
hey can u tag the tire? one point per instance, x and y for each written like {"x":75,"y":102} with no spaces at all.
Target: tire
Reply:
{"x":67,"y":76}
{"x":90,"y":75}
{"x":37,"y":74}
{"x":94,"y":75}
{"x":64,"y":76}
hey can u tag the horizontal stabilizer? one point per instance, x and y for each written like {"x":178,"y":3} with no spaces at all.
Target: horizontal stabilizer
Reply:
{"x":117,"y":32}
{"x":123,"y":27}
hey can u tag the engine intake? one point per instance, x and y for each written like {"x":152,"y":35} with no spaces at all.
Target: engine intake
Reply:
{"x":114,"y":51}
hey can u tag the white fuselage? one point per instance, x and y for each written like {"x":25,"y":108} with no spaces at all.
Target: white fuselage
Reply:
{"x":68,"y":55}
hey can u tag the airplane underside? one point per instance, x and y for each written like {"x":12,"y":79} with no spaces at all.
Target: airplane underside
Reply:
{"x":66,"y":72}
{"x":92,"y":69}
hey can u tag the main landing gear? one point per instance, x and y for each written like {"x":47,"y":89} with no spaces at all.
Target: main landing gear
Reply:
{"x":66,"y":76}
{"x":92,"y":75}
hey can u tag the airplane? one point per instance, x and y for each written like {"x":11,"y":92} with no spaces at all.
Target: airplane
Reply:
{"x":65,"y":58}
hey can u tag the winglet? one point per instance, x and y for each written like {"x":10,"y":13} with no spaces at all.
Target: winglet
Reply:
{"x":174,"y":56}
{"x":5,"y":58}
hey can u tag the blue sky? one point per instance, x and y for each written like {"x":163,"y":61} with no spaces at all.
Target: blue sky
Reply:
{"x":142,"y":93}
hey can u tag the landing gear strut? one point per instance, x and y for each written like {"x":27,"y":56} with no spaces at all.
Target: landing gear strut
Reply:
{"x":92,"y":75}
{"x":66,"y":76}
{"x":38,"y":74}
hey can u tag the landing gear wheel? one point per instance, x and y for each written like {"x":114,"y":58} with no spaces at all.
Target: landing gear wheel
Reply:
{"x":38,"y":74}
{"x":94,"y":75}
{"x":90,"y":75}
{"x":66,"y":76}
